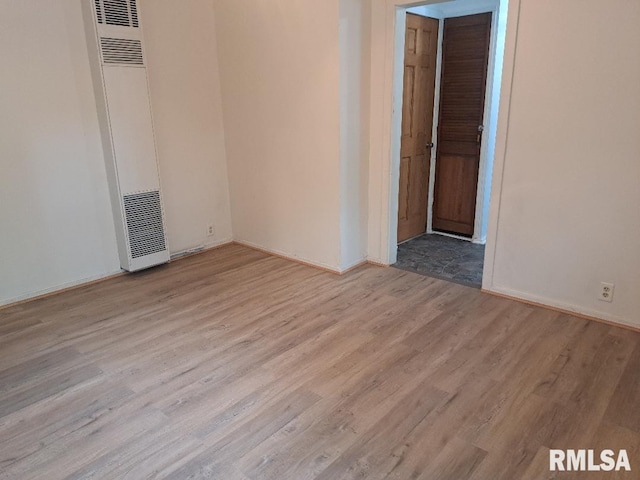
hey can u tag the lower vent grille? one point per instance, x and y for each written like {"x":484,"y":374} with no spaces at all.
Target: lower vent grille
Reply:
{"x":144,"y":223}
{"x":122,"y":51}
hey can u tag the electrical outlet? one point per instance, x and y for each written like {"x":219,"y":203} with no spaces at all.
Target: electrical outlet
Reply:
{"x":606,"y":292}
{"x":210,"y":230}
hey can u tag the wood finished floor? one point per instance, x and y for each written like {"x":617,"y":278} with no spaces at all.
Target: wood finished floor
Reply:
{"x":236,"y":365}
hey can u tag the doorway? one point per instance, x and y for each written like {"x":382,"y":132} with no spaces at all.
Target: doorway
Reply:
{"x":463,"y":116}
{"x":443,"y":257}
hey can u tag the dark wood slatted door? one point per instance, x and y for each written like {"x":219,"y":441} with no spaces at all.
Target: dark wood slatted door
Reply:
{"x":462,"y":92}
{"x":421,"y":47}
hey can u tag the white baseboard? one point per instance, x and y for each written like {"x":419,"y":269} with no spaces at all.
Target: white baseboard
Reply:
{"x":201,"y":248}
{"x":289,"y":256}
{"x":353,"y":265}
{"x":218,"y":243}
{"x":377,"y":261}
{"x":102,"y":276}
{"x":563,"y":306}
{"x":59,"y":288}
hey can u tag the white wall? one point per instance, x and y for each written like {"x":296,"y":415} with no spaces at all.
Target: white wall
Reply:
{"x":187,"y":113}
{"x":564,"y":215}
{"x":279,"y":70}
{"x":565,"y":206}
{"x":354,"y":129}
{"x":56,"y":227}
{"x":569,"y":211}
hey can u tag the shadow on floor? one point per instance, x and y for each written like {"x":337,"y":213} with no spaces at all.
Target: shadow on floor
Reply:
{"x":443,"y":257}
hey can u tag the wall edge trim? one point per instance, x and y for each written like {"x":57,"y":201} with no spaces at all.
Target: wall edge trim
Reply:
{"x":562,"y":307}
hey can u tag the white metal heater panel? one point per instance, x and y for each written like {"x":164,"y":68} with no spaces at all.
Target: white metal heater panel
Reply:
{"x":131,"y":128}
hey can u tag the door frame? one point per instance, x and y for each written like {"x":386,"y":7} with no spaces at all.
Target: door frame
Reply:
{"x":387,"y":35}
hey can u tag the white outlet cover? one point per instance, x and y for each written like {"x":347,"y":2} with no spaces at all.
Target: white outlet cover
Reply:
{"x":606,"y":292}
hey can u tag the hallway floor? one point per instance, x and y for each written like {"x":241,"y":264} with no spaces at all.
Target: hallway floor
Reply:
{"x":443,"y":257}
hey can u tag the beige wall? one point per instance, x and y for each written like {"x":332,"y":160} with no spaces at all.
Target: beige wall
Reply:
{"x":564,"y":215}
{"x":565,"y":210}
{"x":355,"y":52}
{"x":187,"y":112}
{"x":569,"y":211}
{"x":280,"y":89}
{"x":56,"y":227}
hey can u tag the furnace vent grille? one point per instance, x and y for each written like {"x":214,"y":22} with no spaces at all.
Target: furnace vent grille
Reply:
{"x":121,"y":51}
{"x":122,"y":13}
{"x":144,"y":223}
{"x":134,"y":13}
{"x":98,"y":10}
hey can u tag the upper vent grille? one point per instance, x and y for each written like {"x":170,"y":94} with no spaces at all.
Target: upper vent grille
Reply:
{"x":122,"y":13}
{"x":134,"y":13}
{"x":122,"y":51}
{"x":98,"y":10}
{"x":144,"y":223}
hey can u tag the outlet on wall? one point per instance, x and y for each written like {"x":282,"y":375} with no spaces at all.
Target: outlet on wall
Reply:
{"x":210,"y":231}
{"x":606,"y":292}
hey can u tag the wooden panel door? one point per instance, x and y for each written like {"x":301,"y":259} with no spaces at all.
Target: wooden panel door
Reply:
{"x":421,"y":45}
{"x":462,"y":93}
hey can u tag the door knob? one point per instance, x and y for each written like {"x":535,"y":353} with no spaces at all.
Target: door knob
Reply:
{"x":430,"y":145}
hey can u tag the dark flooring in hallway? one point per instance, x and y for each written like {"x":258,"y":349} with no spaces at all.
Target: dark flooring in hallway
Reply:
{"x":443,"y":257}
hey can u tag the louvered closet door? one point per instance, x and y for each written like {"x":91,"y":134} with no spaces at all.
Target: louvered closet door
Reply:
{"x":462,"y":93}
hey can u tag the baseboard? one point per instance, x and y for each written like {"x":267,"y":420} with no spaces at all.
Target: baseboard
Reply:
{"x":201,"y":249}
{"x":12,"y":302}
{"x":177,"y":257}
{"x":220,"y":243}
{"x":377,"y":262}
{"x":65,"y":287}
{"x":562,"y":308}
{"x":354,"y":266}
{"x":286,"y":256}
{"x":310,"y":263}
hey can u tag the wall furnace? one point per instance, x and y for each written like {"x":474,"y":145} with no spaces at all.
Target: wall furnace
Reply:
{"x":116,"y":53}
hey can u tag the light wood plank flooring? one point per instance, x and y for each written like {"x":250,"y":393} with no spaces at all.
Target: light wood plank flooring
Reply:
{"x":236,"y":365}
